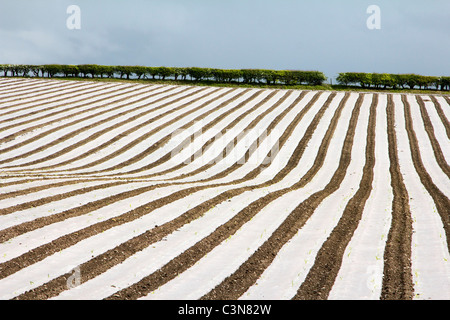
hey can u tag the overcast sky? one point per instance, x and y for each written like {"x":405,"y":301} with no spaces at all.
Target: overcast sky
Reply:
{"x":326,"y":35}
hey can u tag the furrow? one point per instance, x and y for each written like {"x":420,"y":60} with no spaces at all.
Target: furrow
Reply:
{"x":184,"y":169}
{"x":397,"y":275}
{"x":134,"y":132}
{"x":196,"y":252}
{"x":185,"y":218}
{"x":26,"y":106}
{"x":322,"y":274}
{"x":91,"y":148}
{"x":237,"y":248}
{"x":439,"y":129}
{"x":441,"y":200}
{"x":39,"y":198}
{"x":16,"y":127}
{"x":41,"y":94}
{"x":428,"y":126}
{"x":441,"y":114}
{"x":101,"y":116}
{"x":236,"y":284}
{"x":361,"y":272}
{"x":23,"y":132}
{"x":115,"y":119}
{"x":38,"y":237}
{"x":8,"y":85}
{"x":11,"y":84}
{"x":430,"y":258}
{"x":24,"y":187}
{"x":446,"y":110}
{"x":169,"y":155}
{"x":132,"y":191}
{"x":48,"y":109}
{"x":272,"y":154}
{"x":136,"y":155}
{"x":34,"y":90}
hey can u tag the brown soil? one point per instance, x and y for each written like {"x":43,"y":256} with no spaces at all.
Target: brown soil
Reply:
{"x":38,"y":90}
{"x":321,"y":277}
{"x":249,"y":272}
{"x":8,"y":85}
{"x":397,"y":280}
{"x":442,"y":114}
{"x":260,"y":139}
{"x":196,"y":252}
{"x":440,"y":200}
{"x":38,"y":126}
{"x":167,"y":156}
{"x":61,"y":97}
{"x":434,"y":142}
{"x":134,"y":245}
{"x":155,"y":146}
{"x":97,"y":134}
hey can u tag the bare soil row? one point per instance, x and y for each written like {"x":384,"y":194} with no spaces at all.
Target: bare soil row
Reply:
{"x":182,"y":108}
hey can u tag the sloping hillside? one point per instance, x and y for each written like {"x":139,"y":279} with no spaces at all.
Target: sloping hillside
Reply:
{"x":129,"y":191}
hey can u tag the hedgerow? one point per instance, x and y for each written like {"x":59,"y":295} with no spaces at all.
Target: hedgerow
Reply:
{"x":246,"y":76}
{"x":260,"y":76}
{"x":394,"y":81}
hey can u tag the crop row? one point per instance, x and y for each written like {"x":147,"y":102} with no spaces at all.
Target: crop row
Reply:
{"x":285,"y":194}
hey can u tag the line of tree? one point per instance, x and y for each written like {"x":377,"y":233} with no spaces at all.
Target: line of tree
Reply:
{"x":394,"y":81}
{"x":248,"y":76}
{"x":260,"y":76}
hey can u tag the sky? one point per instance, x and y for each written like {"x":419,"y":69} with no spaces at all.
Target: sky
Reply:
{"x":325,"y":35}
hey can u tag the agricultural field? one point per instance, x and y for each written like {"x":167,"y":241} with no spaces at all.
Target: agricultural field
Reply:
{"x":121,"y":190}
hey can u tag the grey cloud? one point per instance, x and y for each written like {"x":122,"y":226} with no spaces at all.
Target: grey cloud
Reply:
{"x":330,"y":36}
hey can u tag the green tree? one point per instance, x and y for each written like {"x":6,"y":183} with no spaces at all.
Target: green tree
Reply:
{"x":315,"y":78}
{"x":387,"y":80}
{"x":151,"y":72}
{"x":287,"y":77}
{"x":444,"y":83}
{"x":5,"y":68}
{"x":364,"y":79}
{"x":271,"y":76}
{"x":343,"y":79}
{"x":411,"y":80}
{"x":107,"y":71}
{"x":252,"y":75}
{"x":70,"y":70}
{"x":126,"y":71}
{"x":164,"y":72}
{"x":180,"y":72}
{"x":52,"y":69}
{"x":139,"y":71}
{"x":399,"y":80}
{"x":36,"y":70}
{"x":198,"y":74}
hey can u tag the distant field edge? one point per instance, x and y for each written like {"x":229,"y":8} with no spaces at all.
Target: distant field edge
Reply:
{"x":260,"y":78}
